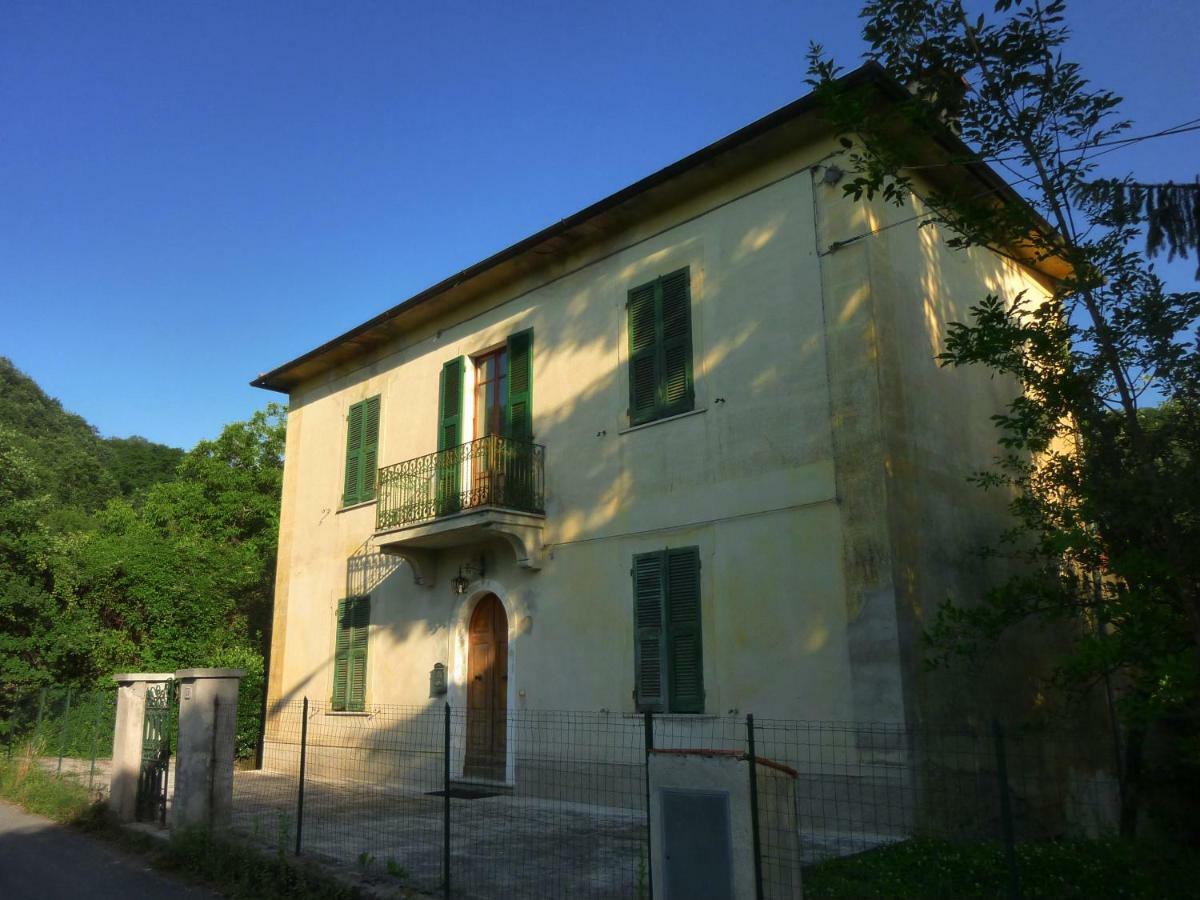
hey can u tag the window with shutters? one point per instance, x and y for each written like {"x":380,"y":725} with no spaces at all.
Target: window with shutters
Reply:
{"x":350,"y":654}
{"x":668,"y":658}
{"x":660,"y":348}
{"x":362,"y":452}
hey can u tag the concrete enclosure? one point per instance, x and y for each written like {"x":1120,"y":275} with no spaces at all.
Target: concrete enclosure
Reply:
{"x":692,"y":856}
{"x":207,"y":730}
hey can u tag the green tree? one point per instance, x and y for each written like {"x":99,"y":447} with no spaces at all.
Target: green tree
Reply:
{"x":137,"y":463}
{"x":185,"y":577}
{"x":77,"y":469}
{"x":188,"y":572}
{"x":27,"y":607}
{"x":1106,"y":497}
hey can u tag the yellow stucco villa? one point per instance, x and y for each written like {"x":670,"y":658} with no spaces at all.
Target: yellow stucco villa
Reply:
{"x":688,"y":450}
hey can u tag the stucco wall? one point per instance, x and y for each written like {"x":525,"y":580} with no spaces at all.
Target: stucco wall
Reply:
{"x":916,"y":532}
{"x":816,"y":394}
{"x":747,"y":478}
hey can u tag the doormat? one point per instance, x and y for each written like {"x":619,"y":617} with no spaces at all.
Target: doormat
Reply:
{"x":462,"y":793}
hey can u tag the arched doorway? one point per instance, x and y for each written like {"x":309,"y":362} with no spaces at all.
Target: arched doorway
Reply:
{"x":487,"y":690}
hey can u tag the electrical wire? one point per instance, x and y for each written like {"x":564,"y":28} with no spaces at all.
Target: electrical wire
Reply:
{"x":1183,"y":128}
{"x":1116,"y":144}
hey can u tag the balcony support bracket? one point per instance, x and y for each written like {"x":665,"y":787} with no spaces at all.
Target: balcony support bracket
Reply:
{"x":422,"y":562}
{"x":524,"y":538}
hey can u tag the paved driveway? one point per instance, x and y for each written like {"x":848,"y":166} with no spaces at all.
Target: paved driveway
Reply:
{"x":40,"y":860}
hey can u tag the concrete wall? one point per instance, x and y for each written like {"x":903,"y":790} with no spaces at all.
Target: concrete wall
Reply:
{"x":823,"y":434}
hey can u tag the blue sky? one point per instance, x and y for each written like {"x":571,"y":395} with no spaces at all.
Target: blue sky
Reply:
{"x":194,"y":193}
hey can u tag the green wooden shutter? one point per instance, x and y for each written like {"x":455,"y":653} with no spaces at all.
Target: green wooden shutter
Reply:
{"x":370,"y":451}
{"x":685,"y":659}
{"x":450,"y":404}
{"x":649,"y":637}
{"x":350,"y":654}
{"x":660,"y":348}
{"x":449,"y":468}
{"x":341,"y":658}
{"x":354,"y":443}
{"x":362,"y":452}
{"x":520,"y":385}
{"x":643,"y":355}
{"x":675,"y":361}
{"x":359,"y":628}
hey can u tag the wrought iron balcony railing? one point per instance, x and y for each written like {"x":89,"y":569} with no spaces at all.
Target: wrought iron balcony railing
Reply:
{"x":490,"y":471}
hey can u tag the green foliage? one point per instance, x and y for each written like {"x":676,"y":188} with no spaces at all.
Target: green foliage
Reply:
{"x":24,"y":781}
{"x":77,"y":469}
{"x":28,"y":610}
{"x":240,"y":871}
{"x":137,"y":463}
{"x":76,"y":723}
{"x":250,"y":693}
{"x":396,"y":870}
{"x":1104,"y":486}
{"x":126,"y":555}
{"x":63,"y":449}
{"x":1084,"y":869}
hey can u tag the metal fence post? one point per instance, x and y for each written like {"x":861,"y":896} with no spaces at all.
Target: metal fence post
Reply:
{"x":300,"y":783}
{"x":648,"y":725}
{"x":97,"y":713}
{"x":446,"y":802}
{"x":1006,"y":818}
{"x":64,"y":732}
{"x":37,"y":728}
{"x":752,"y":760}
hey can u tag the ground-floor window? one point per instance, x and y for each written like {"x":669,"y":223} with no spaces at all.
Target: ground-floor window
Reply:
{"x":350,"y":654}
{"x":669,"y":674}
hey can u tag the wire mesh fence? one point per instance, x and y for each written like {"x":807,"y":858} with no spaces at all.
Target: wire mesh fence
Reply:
{"x":67,"y":731}
{"x":555,"y":804}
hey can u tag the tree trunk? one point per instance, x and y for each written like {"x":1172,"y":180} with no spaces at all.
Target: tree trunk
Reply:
{"x":1131,"y":784}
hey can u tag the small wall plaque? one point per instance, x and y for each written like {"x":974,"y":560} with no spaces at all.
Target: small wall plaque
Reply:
{"x":437,"y":680}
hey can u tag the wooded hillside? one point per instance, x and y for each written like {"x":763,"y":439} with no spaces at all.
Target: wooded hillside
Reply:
{"x":120,"y":554}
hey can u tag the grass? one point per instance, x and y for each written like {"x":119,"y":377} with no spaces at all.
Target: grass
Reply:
{"x":240,"y":871}
{"x":1069,"y":869}
{"x":27,"y":783}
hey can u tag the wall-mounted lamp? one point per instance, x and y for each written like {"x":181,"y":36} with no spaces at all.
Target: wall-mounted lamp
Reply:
{"x":462,"y":580}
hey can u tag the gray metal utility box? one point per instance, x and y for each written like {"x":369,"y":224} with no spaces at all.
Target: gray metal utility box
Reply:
{"x":701,"y":827}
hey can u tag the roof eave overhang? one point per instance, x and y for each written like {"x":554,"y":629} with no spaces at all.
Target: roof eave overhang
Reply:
{"x":533,"y":251}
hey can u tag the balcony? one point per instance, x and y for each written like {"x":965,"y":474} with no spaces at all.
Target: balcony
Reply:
{"x":488,"y":488}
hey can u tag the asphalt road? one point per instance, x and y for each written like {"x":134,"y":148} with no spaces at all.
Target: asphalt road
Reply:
{"x":40,"y":860}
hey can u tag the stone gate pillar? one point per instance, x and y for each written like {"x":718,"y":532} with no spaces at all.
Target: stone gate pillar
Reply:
{"x":127,"y":740}
{"x":208,"y":701}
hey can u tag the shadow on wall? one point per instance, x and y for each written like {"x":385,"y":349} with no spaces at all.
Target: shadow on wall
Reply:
{"x":750,"y":352}
{"x":940,"y":446}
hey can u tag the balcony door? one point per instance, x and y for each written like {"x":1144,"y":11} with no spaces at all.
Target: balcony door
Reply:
{"x":491,"y":417}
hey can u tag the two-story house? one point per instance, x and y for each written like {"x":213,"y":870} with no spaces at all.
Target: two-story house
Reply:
{"x":687,"y":450}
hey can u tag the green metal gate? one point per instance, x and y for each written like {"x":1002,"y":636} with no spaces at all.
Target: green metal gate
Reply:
{"x":157,"y":730}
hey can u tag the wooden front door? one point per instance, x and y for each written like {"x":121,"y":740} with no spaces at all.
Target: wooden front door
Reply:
{"x":487,"y":690}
